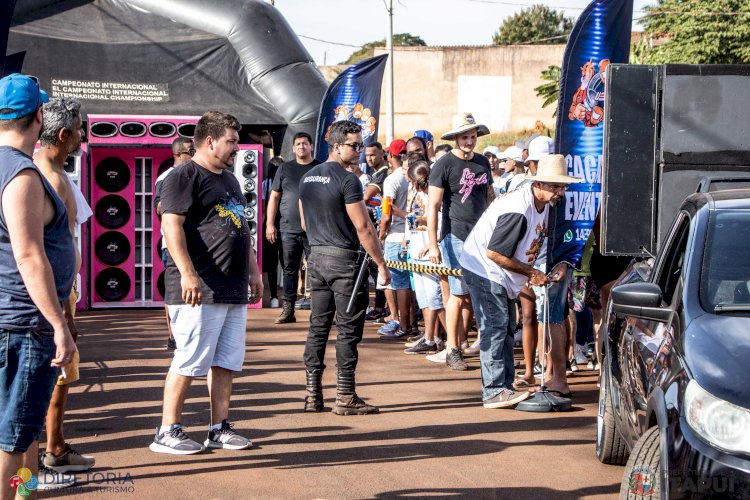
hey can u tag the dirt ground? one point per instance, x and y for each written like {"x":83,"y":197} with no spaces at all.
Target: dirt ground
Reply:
{"x":431,"y":439}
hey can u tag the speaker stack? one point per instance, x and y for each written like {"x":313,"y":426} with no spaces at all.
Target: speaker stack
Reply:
{"x":126,"y":156}
{"x":248,"y":171}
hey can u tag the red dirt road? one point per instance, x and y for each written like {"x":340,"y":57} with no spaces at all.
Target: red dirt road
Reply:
{"x":432,"y":438}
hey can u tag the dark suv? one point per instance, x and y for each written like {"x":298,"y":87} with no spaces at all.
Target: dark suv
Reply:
{"x":675,"y":382}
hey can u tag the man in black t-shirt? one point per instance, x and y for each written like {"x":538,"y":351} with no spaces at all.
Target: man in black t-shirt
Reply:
{"x":210,"y":266}
{"x":284,"y":198}
{"x":459,"y":182}
{"x":337,"y":225}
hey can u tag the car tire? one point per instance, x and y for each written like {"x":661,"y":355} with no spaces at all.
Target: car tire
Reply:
{"x":644,"y":462}
{"x":610,"y":447}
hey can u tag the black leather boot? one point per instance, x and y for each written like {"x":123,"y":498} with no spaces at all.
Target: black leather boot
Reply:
{"x":287,"y":313}
{"x":347,"y":401}
{"x":314,"y":387}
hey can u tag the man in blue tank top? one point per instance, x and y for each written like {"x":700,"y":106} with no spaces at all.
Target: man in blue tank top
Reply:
{"x":37,"y":268}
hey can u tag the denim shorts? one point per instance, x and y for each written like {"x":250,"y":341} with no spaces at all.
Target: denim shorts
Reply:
{"x":208,"y":335}
{"x":558,"y":300}
{"x":399,"y":277}
{"x":451,"y":249}
{"x":26,"y":383}
{"x":427,"y":289}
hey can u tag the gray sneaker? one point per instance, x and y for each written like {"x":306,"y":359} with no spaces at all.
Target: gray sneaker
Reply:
{"x":51,"y":480}
{"x":422,"y":347}
{"x":226,"y":438}
{"x":175,"y":441}
{"x":412,"y":341}
{"x":455,"y":360}
{"x":69,"y":461}
{"x":505,"y":398}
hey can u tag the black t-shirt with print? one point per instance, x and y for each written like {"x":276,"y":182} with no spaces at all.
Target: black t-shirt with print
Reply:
{"x":216,"y":233}
{"x":378,"y":178}
{"x":286,"y":182}
{"x":465,"y":198}
{"x":325,"y":191}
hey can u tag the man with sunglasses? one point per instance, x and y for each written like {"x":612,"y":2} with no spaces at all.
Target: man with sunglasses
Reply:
{"x":182,"y":151}
{"x":498,"y":261}
{"x":338,"y":227}
{"x":37,"y":270}
{"x":284,"y":201}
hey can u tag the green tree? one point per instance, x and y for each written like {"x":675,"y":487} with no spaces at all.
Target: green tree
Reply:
{"x":538,"y":22}
{"x":399,"y":40}
{"x":698,"y":32}
{"x":550,"y":90}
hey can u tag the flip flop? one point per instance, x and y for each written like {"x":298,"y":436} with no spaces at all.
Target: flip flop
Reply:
{"x":521,"y":384}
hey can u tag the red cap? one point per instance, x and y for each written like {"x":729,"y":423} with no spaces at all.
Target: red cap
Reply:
{"x":397,"y":147}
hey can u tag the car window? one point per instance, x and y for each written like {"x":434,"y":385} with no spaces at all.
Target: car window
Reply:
{"x":670,"y":267}
{"x":725,"y":270}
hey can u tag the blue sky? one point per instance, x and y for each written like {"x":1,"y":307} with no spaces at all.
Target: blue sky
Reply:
{"x":438,"y":22}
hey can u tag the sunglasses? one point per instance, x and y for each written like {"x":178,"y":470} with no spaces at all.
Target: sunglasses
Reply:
{"x":190,"y":152}
{"x":38,"y":90}
{"x":356,"y":146}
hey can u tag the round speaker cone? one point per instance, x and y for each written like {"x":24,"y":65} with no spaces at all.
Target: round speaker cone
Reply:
{"x":250,"y":156}
{"x":249,"y":213}
{"x":160,"y":286}
{"x":112,"y":174}
{"x":112,"y":284}
{"x":112,"y":248}
{"x":249,"y":185}
{"x":251,"y":199}
{"x":112,"y":211}
{"x":253,"y":226}
{"x":249,"y":170}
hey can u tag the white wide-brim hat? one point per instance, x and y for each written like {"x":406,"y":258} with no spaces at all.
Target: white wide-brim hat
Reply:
{"x":552,"y":169}
{"x":463,"y":122}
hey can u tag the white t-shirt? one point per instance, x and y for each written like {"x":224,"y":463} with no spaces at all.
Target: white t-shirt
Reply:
{"x":396,"y":187}
{"x":513,"y":227}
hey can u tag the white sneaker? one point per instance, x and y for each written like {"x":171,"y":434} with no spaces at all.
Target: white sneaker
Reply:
{"x":580,"y":355}
{"x":275,"y":303}
{"x":439,"y":357}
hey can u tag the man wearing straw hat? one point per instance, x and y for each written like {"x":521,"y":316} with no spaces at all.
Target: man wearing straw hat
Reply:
{"x":459,"y":181}
{"x":498,"y":260}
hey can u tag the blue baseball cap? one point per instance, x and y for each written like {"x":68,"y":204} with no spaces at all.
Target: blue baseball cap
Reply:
{"x":21,"y":94}
{"x":424,"y":134}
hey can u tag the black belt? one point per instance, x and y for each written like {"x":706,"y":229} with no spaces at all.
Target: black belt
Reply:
{"x":336,"y":251}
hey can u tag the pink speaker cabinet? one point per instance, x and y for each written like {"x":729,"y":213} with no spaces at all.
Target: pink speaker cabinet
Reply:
{"x":126,"y":154}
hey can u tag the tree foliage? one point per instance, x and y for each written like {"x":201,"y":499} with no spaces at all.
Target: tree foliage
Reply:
{"x":697,"y":32}
{"x":535,"y":23}
{"x":399,"y":40}
{"x":549,"y":91}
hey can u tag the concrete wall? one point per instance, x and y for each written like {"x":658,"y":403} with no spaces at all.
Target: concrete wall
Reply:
{"x":426,"y":81}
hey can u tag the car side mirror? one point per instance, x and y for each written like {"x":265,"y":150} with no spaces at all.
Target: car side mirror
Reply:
{"x":641,"y":300}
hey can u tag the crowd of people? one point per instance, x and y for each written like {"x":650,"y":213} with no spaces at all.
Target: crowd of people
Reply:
{"x":449,"y":235}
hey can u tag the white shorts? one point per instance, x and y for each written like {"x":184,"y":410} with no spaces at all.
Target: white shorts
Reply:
{"x":208,"y":335}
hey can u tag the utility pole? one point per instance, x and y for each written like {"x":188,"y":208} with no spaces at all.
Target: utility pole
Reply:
{"x":389,"y":125}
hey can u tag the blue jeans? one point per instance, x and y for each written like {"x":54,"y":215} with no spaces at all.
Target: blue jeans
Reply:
{"x":496,"y":321}
{"x":292,"y":246}
{"x":26,"y":383}
{"x":399,"y":277}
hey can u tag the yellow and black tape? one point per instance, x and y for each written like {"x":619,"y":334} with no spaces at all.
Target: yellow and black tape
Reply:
{"x":423,"y":268}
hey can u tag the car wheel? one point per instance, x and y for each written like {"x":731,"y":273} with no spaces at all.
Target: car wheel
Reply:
{"x":610,"y":447}
{"x":643,"y":472}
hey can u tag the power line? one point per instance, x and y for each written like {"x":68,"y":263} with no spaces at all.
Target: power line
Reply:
{"x":330,"y":42}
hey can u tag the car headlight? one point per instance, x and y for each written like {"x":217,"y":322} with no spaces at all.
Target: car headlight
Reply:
{"x":721,"y":423}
